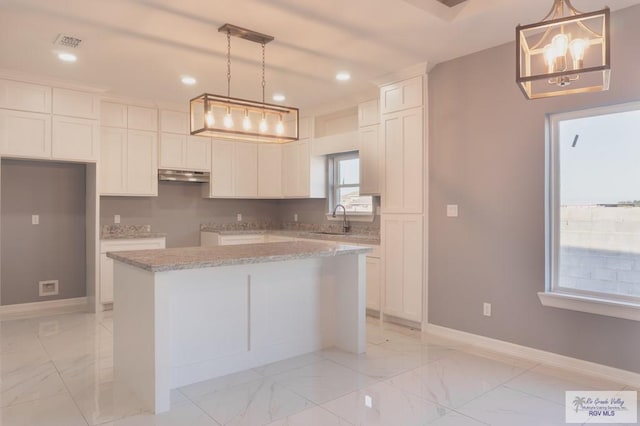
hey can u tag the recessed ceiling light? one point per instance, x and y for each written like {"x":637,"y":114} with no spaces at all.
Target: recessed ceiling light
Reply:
{"x":188,"y":80}
{"x":279,"y":97}
{"x":67,"y":57}
{"x":343,"y":76}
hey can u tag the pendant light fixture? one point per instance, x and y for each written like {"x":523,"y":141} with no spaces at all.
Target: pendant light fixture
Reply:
{"x":567,"y":52}
{"x":240,"y":119}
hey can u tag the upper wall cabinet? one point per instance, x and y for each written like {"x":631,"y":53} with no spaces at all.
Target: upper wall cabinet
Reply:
{"x":371,"y":153}
{"x":234,"y":170}
{"x":402,"y":95}
{"x":269,"y":170}
{"x":303,"y":175}
{"x":25,"y":96}
{"x":368,"y":113}
{"x":178,"y":149}
{"x":140,"y":118}
{"x":75,"y":104}
{"x":25,"y":134}
{"x":113,"y":115}
{"x":74,"y":139}
{"x":174,"y":122}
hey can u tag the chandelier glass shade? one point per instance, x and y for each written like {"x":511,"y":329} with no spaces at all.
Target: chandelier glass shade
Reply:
{"x":225,"y":117}
{"x":567,"y":52}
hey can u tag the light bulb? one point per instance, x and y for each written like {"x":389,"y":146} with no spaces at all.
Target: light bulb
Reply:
{"x":578,"y":47}
{"x":211,"y":121}
{"x":280,"y":127}
{"x":560,"y":44}
{"x":263,"y":127}
{"x":246,"y":122}
{"x":549,"y":56}
{"x":228,"y":120}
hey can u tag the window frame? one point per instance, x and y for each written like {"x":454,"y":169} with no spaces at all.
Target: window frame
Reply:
{"x":334,"y":189}
{"x":609,"y":304}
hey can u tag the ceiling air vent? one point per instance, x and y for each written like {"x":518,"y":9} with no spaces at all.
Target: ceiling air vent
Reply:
{"x":451,"y":3}
{"x":67,"y":41}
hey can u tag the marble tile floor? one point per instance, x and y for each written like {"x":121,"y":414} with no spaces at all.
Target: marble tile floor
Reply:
{"x":57,"y":370}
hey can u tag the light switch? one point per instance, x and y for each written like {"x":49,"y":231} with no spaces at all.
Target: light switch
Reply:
{"x":452,"y":210}
{"x":239,"y":217}
{"x":295,"y":217}
{"x":35,"y":219}
{"x":116,"y":218}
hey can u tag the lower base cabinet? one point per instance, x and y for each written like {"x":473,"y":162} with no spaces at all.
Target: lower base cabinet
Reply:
{"x":106,"y":263}
{"x":373,"y":283}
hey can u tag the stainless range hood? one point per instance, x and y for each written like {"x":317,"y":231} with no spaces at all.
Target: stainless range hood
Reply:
{"x":183,"y":176}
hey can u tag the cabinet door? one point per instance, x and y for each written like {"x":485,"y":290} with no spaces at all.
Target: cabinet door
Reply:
{"x":142,"y":163}
{"x":246,"y":170}
{"x":174,"y":122}
{"x":368,"y":113}
{"x":141,"y":118}
{"x":370,"y":165}
{"x":113,"y":161}
{"x":401,"y":95}
{"x":25,"y":96}
{"x":75,"y":104}
{"x":198,"y":156}
{"x":222,"y":167}
{"x":402,"y":236}
{"x":270,"y":171}
{"x":373,"y":283}
{"x":25,"y":134}
{"x":113,"y":115}
{"x":304,"y":169}
{"x":173,"y":150}
{"x":74,"y":139}
{"x":234,"y":240}
{"x":403,"y":162}
{"x":290,"y":169}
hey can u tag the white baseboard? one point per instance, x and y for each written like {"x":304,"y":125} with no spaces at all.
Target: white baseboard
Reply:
{"x":41,"y":306}
{"x":536,"y":355}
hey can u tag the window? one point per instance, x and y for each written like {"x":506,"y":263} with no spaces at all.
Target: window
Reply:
{"x":593,"y":211}
{"x":345,"y":185}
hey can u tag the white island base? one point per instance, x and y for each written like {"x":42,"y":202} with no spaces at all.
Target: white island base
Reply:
{"x":178,"y":327}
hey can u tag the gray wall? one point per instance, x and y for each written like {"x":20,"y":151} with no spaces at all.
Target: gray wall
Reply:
{"x":487,"y":154}
{"x":179,"y":209}
{"x":315,"y":211}
{"x":52,"y":250}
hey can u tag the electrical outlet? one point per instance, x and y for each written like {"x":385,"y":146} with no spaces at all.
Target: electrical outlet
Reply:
{"x":35,"y":219}
{"x":116,"y":218}
{"x":295,"y":217}
{"x":452,"y":210}
{"x":48,"y":288}
{"x":486,"y":309}
{"x":239,"y":217}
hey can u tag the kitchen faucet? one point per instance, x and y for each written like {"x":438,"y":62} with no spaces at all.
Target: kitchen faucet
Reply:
{"x":345,"y":222}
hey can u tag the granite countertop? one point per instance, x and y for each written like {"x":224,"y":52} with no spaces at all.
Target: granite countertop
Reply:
{"x":121,"y":232}
{"x":173,"y":259}
{"x":355,"y":238}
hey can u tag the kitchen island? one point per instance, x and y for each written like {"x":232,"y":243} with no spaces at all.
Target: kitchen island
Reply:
{"x":185,"y":315}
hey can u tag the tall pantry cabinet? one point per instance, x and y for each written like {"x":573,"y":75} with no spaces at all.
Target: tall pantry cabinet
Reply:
{"x":402,"y":128}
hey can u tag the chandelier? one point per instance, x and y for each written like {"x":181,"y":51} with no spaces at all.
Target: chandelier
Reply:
{"x":567,"y":52}
{"x":240,"y":119}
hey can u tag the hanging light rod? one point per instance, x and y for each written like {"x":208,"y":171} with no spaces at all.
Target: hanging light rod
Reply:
{"x":245,"y":34}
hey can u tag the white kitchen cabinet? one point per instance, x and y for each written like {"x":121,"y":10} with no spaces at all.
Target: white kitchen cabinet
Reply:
{"x":25,"y":134}
{"x":401,"y":95}
{"x":370,"y":148}
{"x":402,"y":190}
{"x":75,"y":139}
{"x":269,"y":171}
{"x":368,"y":113}
{"x":305,"y":128}
{"x":198,"y":154}
{"x":174,"y":122}
{"x":234,"y":170}
{"x":373,"y":283}
{"x":128,"y":162}
{"x":303,"y":175}
{"x":113,"y":115}
{"x":75,"y":104}
{"x":172,"y":153}
{"x":209,"y":239}
{"x":106,"y":263}
{"x":25,"y":96}
{"x":403,"y":267}
{"x":142,"y":118}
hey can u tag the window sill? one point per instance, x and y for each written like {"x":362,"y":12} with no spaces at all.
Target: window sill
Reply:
{"x":593,"y":305}
{"x":352,"y":217}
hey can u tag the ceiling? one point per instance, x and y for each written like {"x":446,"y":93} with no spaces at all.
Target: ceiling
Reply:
{"x":141,"y":48}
